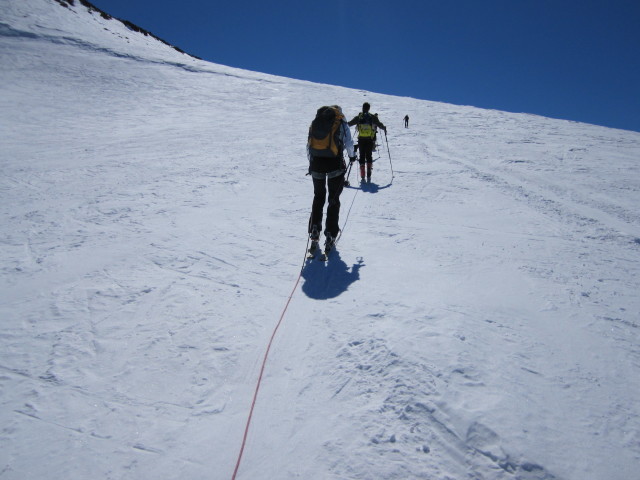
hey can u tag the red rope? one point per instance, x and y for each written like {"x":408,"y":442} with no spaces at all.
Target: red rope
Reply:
{"x":264,"y":362}
{"x":266,"y":354}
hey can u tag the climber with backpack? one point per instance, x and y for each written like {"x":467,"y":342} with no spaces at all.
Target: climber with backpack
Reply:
{"x":366,"y":125}
{"x":329,"y":135}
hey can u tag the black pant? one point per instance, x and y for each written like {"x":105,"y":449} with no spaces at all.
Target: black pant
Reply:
{"x":335,"y":186}
{"x":365,"y":146}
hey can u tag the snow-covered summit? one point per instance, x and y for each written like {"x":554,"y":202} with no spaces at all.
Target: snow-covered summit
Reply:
{"x":478,"y":320}
{"x":81,"y":22}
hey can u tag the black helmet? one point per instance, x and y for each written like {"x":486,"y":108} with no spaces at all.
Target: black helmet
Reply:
{"x":366,"y":107}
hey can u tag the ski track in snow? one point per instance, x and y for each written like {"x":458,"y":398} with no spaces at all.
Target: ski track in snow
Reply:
{"x":478,"y":319}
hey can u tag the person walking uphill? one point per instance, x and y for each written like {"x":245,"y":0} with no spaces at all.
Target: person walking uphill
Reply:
{"x":329,"y":135}
{"x":366,"y":124}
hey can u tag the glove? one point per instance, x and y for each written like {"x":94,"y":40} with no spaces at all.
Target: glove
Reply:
{"x":352,"y":159}
{"x":385,"y":129}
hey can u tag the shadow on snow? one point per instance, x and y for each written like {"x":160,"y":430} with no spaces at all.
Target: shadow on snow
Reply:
{"x":370,"y":187}
{"x":325,"y":280}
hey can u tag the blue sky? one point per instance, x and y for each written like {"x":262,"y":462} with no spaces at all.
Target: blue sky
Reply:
{"x":575,"y":60}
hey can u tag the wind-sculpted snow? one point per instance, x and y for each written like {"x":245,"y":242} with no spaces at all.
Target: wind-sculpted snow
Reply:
{"x":477,"y":320}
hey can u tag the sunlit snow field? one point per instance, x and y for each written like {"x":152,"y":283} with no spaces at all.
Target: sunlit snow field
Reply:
{"x":478,"y":320}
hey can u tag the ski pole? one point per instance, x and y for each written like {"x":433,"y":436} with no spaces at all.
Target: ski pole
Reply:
{"x":388,"y":152}
{"x":346,"y":178}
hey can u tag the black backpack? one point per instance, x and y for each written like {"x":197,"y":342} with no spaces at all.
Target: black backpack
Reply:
{"x":324,"y":133}
{"x":366,"y":127}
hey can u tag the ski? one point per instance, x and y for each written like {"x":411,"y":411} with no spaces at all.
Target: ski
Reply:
{"x":324,"y":256}
{"x":313,"y":249}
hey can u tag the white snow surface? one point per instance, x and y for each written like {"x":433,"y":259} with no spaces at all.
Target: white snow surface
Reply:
{"x":478,"y":320}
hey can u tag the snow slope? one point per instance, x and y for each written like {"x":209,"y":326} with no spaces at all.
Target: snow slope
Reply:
{"x":479,"y":319}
